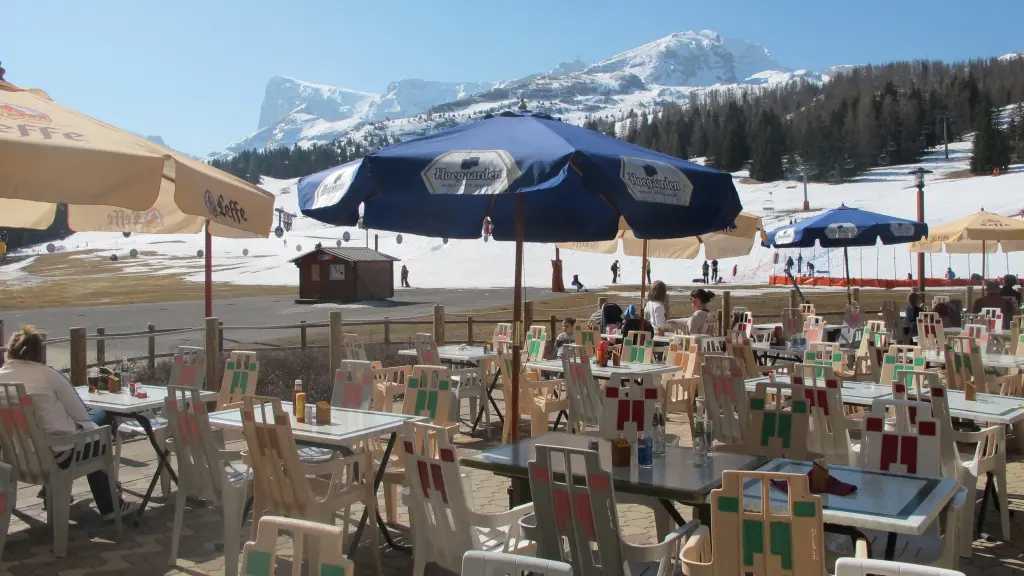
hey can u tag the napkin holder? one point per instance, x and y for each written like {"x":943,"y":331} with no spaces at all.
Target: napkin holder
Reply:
{"x":970,"y":392}
{"x":323,"y":413}
{"x":113,"y":384}
{"x":818,"y":476}
{"x":621,"y":452}
{"x":616,"y":359}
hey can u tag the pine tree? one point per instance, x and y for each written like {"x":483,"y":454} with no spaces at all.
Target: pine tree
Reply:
{"x":768,"y":148}
{"x":991,"y":143}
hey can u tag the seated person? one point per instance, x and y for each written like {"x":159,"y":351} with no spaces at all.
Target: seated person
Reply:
{"x":656,"y":309}
{"x":59,"y":410}
{"x":700,"y":322}
{"x":948,"y":314}
{"x":992,"y":299}
{"x":632,"y":323}
{"x":914,"y":310}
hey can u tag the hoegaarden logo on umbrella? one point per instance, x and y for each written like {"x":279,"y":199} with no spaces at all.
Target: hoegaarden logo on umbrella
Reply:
{"x":334,"y":187}
{"x":653,"y":181}
{"x":471,"y":172}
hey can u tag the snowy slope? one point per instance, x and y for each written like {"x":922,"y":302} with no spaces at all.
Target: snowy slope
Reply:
{"x":670,"y":69}
{"x":475,"y":263}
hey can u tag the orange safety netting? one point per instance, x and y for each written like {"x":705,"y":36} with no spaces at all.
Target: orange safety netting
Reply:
{"x":865,"y":282}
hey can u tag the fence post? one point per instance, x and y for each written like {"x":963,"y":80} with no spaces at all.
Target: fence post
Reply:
{"x":302,"y":334}
{"x":856,"y":294}
{"x":79,"y":357}
{"x":101,"y":347}
{"x":220,"y":336}
{"x":469,"y":331}
{"x":439,"y":324}
{"x":212,"y":353}
{"x":387,"y":330}
{"x":527,"y":316}
{"x":337,"y":335}
{"x":44,"y":347}
{"x":794,"y":299}
{"x":601,"y":301}
{"x":554,"y":326}
{"x":726,"y":312}
{"x":152,"y":348}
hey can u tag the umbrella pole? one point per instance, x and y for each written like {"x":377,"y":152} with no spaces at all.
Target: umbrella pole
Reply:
{"x":846,"y":261}
{"x":984,"y":261}
{"x":517,"y":314}
{"x":208,"y":280}
{"x":643,"y":279}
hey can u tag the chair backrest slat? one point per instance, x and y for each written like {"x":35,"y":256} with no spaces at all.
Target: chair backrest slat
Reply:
{"x":725,"y":398}
{"x":189,"y":367}
{"x":628,"y":405}
{"x":585,"y":399}
{"x":638,"y":347}
{"x":353,"y":348}
{"x":354,"y":385}
{"x":200,"y":467}
{"x":428,"y":393}
{"x":828,"y":433}
{"x":426,"y":350}
{"x":25,"y":446}
{"x":274,"y":457}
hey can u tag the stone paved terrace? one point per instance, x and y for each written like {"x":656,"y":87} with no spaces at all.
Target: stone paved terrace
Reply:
{"x":96,"y":549}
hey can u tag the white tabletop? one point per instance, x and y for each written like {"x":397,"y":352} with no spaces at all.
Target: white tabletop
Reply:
{"x":858,"y":392}
{"x":124,"y":403}
{"x":666,"y":339}
{"x":954,"y":331}
{"x":347,"y":426}
{"x":457,"y":353}
{"x":608,"y":371}
{"x":1005,"y":361}
{"x":885,"y":501}
{"x":986,"y":408}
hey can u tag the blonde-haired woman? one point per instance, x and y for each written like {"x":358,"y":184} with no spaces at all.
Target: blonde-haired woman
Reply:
{"x":656,"y":309}
{"x":59,"y":410}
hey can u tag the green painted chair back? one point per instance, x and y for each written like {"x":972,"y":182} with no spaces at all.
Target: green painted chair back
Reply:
{"x":428,"y":393}
{"x":826,"y":355}
{"x":784,"y":538}
{"x":900,"y":359}
{"x":773,"y":429}
{"x":589,"y":339}
{"x":638,"y":348}
{"x":240,"y":374}
{"x":535,"y":344}
{"x":259,"y":558}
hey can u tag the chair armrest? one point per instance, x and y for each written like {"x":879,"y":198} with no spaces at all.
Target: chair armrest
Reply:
{"x":80,"y":439}
{"x":662,"y":550}
{"x":862,"y":549}
{"x":501,"y":519}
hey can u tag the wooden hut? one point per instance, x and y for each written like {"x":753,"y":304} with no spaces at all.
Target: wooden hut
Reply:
{"x":345,"y":275}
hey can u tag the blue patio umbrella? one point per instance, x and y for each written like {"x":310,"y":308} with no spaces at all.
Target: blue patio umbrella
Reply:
{"x":535,"y":178}
{"x":844,"y":228}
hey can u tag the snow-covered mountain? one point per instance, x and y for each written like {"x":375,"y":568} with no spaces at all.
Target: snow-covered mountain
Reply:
{"x":667,"y":70}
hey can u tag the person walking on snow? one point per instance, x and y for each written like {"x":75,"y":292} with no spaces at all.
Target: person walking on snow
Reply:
{"x":615,"y":272}
{"x":705,"y":269}
{"x":576,"y":282}
{"x":405,"y":277}
{"x":647,"y":267}
{"x":714,"y":270}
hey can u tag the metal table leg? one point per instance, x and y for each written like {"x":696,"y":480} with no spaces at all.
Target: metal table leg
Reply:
{"x":490,"y":397}
{"x":161,"y":453}
{"x":380,"y":521}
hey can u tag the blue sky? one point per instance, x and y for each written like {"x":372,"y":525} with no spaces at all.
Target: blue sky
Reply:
{"x":194,"y":71}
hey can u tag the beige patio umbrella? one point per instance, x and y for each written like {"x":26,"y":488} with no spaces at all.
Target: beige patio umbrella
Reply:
{"x":734,"y":242}
{"x":979,"y":233}
{"x":111,"y":179}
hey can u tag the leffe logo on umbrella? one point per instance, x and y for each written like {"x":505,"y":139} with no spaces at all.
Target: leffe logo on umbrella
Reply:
{"x":334,"y":186}
{"x":653,"y":181}
{"x":220,"y":208}
{"x":844,"y":231}
{"x":471,"y":172}
{"x":23,"y":113}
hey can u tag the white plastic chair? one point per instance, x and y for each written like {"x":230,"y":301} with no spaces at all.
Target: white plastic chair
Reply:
{"x":478,"y":563}
{"x":205,"y":471}
{"x":470,"y":384}
{"x":814,"y":328}
{"x":29,"y":452}
{"x":581,"y":389}
{"x":8,"y":501}
{"x":726,"y":398}
{"x":576,"y":522}
{"x":188,"y":370}
{"x":865,"y":567}
{"x":443,"y":522}
{"x":259,"y":558}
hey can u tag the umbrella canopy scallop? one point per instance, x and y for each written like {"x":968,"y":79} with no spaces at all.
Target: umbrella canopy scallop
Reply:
{"x":982,"y":231}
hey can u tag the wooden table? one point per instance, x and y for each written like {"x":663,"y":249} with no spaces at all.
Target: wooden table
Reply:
{"x":124,"y":404}
{"x":347,"y":428}
{"x":672,"y":478}
{"x":885,"y":501}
